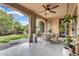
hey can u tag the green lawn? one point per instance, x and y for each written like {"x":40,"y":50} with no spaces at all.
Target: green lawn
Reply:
{"x":8,"y":38}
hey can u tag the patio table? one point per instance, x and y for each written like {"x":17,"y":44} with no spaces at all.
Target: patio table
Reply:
{"x":48,"y":36}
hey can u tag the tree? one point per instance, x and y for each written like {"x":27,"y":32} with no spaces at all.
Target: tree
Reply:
{"x":26,"y":28}
{"x":18,"y":27}
{"x":8,"y":25}
{"x":6,"y":22}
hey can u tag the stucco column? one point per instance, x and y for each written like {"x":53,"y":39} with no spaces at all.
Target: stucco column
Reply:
{"x":32,"y":26}
{"x":70,"y":29}
{"x":46,"y":27}
{"x":77,"y":19}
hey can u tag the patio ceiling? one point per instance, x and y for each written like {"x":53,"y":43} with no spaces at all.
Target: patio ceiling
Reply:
{"x":60,"y":11}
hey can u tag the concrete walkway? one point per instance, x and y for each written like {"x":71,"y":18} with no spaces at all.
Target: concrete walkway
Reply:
{"x":12,"y":43}
{"x":35,"y":49}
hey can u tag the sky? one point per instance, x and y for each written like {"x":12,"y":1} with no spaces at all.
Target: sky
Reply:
{"x":17,"y":15}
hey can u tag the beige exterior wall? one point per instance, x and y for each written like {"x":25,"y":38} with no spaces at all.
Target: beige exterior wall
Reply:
{"x":49,"y":26}
{"x":55,"y":25}
{"x":52,"y":24}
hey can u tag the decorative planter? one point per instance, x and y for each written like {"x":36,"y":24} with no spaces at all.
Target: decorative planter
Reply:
{"x":77,"y":47}
{"x":67,"y":51}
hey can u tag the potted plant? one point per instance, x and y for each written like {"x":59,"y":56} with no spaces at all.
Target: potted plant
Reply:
{"x":67,"y":22}
{"x":68,"y":39}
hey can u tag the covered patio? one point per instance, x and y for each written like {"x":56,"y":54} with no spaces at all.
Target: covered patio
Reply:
{"x":51,"y":22}
{"x":34,"y":49}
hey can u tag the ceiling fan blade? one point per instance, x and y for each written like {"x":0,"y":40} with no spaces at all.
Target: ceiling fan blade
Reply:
{"x":53,"y":11}
{"x":55,"y":6}
{"x":42,"y":11}
{"x":48,"y":5}
{"x":44,"y":7}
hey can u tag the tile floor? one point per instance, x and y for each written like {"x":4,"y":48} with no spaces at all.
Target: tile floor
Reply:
{"x":34,"y":49}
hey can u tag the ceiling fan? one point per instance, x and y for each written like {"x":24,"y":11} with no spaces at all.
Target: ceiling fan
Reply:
{"x":48,"y":8}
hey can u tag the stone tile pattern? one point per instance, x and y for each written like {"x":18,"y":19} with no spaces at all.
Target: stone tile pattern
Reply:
{"x":34,"y":49}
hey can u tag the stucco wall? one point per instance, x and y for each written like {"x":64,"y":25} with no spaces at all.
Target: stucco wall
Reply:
{"x":77,"y":19}
{"x":55,"y":25}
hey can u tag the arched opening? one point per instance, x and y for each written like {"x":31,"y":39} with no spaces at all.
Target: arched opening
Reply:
{"x":40,"y":25}
{"x":14,"y":25}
